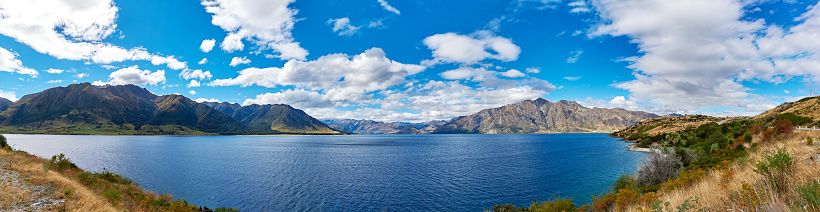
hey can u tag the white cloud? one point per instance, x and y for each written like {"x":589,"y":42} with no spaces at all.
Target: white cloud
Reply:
{"x":574,"y":56}
{"x":207,"y":45}
{"x":54,"y":81}
{"x":81,"y":75}
{"x":572,"y":78}
{"x":579,"y":6}
{"x":487,"y":78}
{"x":201,"y":100}
{"x":133,"y":75}
{"x":239,"y":60}
{"x":341,"y":77}
{"x":107,"y":67}
{"x":192,"y":92}
{"x":9,"y":62}
{"x":203,"y":61}
{"x":265,"y":23}
{"x":67,"y":29}
{"x":193,"y":84}
{"x":454,"y":48}
{"x":533,"y":70}
{"x":170,"y":61}
{"x":343,"y":26}
{"x":786,"y":91}
{"x":513,"y":73}
{"x":10,"y":95}
{"x":389,"y":8}
{"x":697,"y":53}
{"x":195,"y":74}
{"x":296,"y":98}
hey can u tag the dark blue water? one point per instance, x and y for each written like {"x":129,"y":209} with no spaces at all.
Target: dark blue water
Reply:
{"x":353,"y":173}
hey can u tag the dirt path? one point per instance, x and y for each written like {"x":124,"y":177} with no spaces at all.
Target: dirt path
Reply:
{"x":18,"y":194}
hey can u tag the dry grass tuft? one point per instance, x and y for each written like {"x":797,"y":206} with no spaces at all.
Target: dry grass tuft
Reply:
{"x":740,"y":188}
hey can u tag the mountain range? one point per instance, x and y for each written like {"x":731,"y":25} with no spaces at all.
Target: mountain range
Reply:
{"x":129,"y":109}
{"x":543,"y":116}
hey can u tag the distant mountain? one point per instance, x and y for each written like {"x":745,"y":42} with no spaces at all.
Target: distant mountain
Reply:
{"x":5,"y":104}
{"x":124,"y":109}
{"x":543,"y":116}
{"x":277,"y":118}
{"x":373,"y":127}
{"x":426,"y":127}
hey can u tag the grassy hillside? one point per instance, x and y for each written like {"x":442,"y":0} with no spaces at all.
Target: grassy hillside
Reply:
{"x":716,"y":164}
{"x":30,"y":183}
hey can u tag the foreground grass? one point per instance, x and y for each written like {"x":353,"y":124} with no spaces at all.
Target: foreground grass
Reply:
{"x":85,"y":191}
{"x":744,"y":166}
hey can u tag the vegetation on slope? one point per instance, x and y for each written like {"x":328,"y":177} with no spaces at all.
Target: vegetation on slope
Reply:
{"x":743,"y":165}
{"x":82,"y":190}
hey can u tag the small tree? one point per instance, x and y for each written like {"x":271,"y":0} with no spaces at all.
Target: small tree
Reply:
{"x":776,"y":166}
{"x":3,"y":142}
{"x":659,"y":167}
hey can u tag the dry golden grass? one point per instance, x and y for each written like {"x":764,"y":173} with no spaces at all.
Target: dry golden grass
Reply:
{"x":714,"y":190}
{"x":80,"y":198}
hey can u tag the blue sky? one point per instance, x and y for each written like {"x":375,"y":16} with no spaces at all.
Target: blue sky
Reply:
{"x":391,"y":60}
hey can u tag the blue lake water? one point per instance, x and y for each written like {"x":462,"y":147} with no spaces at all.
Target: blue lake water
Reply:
{"x":353,"y":173}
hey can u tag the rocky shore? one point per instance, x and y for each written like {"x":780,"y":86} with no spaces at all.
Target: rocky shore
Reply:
{"x":18,"y":193}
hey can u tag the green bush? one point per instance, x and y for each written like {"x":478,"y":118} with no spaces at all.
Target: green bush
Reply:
{"x":747,"y":137}
{"x":554,"y":205}
{"x":224,"y":209}
{"x":644,"y":143}
{"x":810,"y":192}
{"x":626,"y":181}
{"x":775,"y":166}
{"x":61,"y":163}
{"x":794,"y":119}
{"x":113,"y":195}
{"x":87,"y":178}
{"x":3,"y":142}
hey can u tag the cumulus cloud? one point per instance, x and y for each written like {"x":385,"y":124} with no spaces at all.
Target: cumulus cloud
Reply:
{"x":513,"y":73}
{"x":10,"y":95}
{"x":203,"y":61}
{"x":470,"y":49}
{"x":389,"y":8}
{"x":201,"y":100}
{"x":10,"y":63}
{"x":67,"y":29}
{"x":697,"y":53}
{"x":133,"y":75}
{"x":193,"y":84}
{"x":339,"y":76}
{"x":207,"y":45}
{"x":54,"y":71}
{"x":267,"y":24}
{"x":195,"y":74}
{"x":239,"y":60}
{"x":192,"y":92}
{"x":81,"y":75}
{"x":343,"y":26}
{"x":298,"y":98}
{"x":533,"y":70}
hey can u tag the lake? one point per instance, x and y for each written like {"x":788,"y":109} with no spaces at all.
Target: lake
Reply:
{"x":353,"y":173}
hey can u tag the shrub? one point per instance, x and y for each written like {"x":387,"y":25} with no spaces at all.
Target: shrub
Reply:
{"x":644,"y":143}
{"x":87,"y":178}
{"x":3,"y":142}
{"x":626,"y":181}
{"x":554,"y":205}
{"x":810,"y":192}
{"x":747,"y":198}
{"x":113,"y":195}
{"x":223,"y":209}
{"x":61,"y":163}
{"x":658,"y":168}
{"x":747,"y":137}
{"x":784,"y":127}
{"x":775,"y":166}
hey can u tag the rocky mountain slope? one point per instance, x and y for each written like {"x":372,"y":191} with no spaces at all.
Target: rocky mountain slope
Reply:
{"x":278,"y":118}
{"x":372,"y":127}
{"x":129,"y":109}
{"x":543,"y":116}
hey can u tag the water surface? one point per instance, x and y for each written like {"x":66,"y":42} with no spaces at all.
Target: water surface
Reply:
{"x":353,"y":173}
